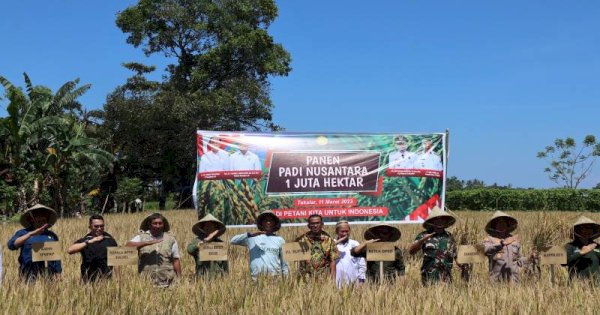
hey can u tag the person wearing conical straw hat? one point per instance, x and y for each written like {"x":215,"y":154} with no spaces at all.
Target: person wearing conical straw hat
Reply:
{"x":158,"y":251}
{"x":392,"y":270}
{"x":583,"y":253}
{"x":502,"y":248}
{"x":348,"y":269}
{"x":207,"y":230}
{"x":264,"y":247}
{"x":438,"y":247}
{"x":37,"y":222}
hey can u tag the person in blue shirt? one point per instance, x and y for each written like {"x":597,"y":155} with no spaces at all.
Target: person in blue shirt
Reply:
{"x":36,"y":221}
{"x":264,"y":246}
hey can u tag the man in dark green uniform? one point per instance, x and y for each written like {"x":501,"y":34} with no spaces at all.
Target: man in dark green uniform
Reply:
{"x":583,"y":254}
{"x":438,"y":246}
{"x":207,"y":230}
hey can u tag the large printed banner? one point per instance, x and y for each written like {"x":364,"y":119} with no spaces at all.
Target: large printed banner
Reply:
{"x":361,"y":178}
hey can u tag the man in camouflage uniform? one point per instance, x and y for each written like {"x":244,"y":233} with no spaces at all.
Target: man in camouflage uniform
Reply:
{"x":438,"y":246}
{"x":323,"y":249}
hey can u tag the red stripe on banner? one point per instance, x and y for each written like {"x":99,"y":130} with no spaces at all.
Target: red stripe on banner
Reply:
{"x":332,"y":212}
{"x":227,"y":140}
{"x":229,"y":175}
{"x":400,"y":172}
{"x":320,"y":202}
{"x":268,"y":159}
{"x":199,"y":145}
{"x":422,"y":211}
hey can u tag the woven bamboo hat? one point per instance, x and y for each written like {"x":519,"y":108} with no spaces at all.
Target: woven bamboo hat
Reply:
{"x":371,"y":233}
{"x":510,"y":221}
{"x":437,"y":212}
{"x":145,"y":226}
{"x":36,"y":210}
{"x":585,"y":221}
{"x":265,"y":214}
{"x":199,"y":229}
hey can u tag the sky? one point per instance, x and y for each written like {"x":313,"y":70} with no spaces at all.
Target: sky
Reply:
{"x":506,"y":78}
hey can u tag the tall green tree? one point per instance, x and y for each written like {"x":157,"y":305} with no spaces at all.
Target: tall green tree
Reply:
{"x":570,"y":164}
{"x":223,"y":57}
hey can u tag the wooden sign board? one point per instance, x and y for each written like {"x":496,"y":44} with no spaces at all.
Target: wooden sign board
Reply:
{"x":470,"y":254}
{"x":296,"y":251}
{"x":122,"y":256}
{"x":45,"y":251}
{"x":381,"y":251}
{"x":216,"y":251}
{"x":556,"y":255}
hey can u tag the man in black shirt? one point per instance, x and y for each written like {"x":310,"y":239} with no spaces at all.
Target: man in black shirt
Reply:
{"x":93,"y":249}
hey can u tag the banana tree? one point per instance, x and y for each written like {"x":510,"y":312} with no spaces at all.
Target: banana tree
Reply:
{"x":44,"y":144}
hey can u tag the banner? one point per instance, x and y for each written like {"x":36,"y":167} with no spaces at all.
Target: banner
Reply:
{"x":361,"y":178}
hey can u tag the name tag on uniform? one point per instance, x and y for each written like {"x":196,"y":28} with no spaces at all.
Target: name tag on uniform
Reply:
{"x":556,"y":255}
{"x":45,"y":251}
{"x":296,"y":251}
{"x":216,"y":251}
{"x":469,"y":254}
{"x":122,"y":256}
{"x":381,"y":251}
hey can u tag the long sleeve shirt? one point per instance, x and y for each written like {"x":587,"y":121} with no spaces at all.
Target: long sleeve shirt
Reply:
{"x":211,"y":268}
{"x":29,"y":270}
{"x":505,"y":260}
{"x":584,"y":266}
{"x":266,"y":254}
{"x":349,"y":269}
{"x":212,"y":162}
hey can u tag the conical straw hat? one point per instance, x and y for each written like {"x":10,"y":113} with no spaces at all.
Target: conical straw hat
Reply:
{"x":511,"y":222}
{"x":199,"y":230}
{"x":392,"y":230}
{"x":145,"y":226}
{"x":437,"y":212}
{"x":36,"y":210}
{"x":263,"y":215}
{"x":582,"y":220}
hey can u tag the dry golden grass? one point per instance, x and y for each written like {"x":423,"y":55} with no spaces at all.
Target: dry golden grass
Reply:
{"x":237,"y":293}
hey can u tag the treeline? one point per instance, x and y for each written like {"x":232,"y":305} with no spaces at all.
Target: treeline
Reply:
{"x":524,"y":199}
{"x":53,"y":150}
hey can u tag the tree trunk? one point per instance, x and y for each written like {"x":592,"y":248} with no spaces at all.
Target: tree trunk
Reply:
{"x":22,"y":199}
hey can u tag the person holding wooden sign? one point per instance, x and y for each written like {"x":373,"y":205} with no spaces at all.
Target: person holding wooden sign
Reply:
{"x":438,"y":246}
{"x":158,"y":251}
{"x":93,"y":248}
{"x":323,"y":250}
{"x":207,"y":230}
{"x":264,"y":246}
{"x":348,"y":269}
{"x":36,"y":221}
{"x":502,"y":248}
{"x":392,"y":270}
{"x":583,"y":254}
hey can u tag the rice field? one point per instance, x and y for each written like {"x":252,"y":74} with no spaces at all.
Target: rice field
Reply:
{"x":236,"y":293}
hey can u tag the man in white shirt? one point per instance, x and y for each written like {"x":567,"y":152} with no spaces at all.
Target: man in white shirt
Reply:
{"x":401,"y":158}
{"x":348,"y":269}
{"x":428,"y":159}
{"x":214,"y":159}
{"x":244,"y":160}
